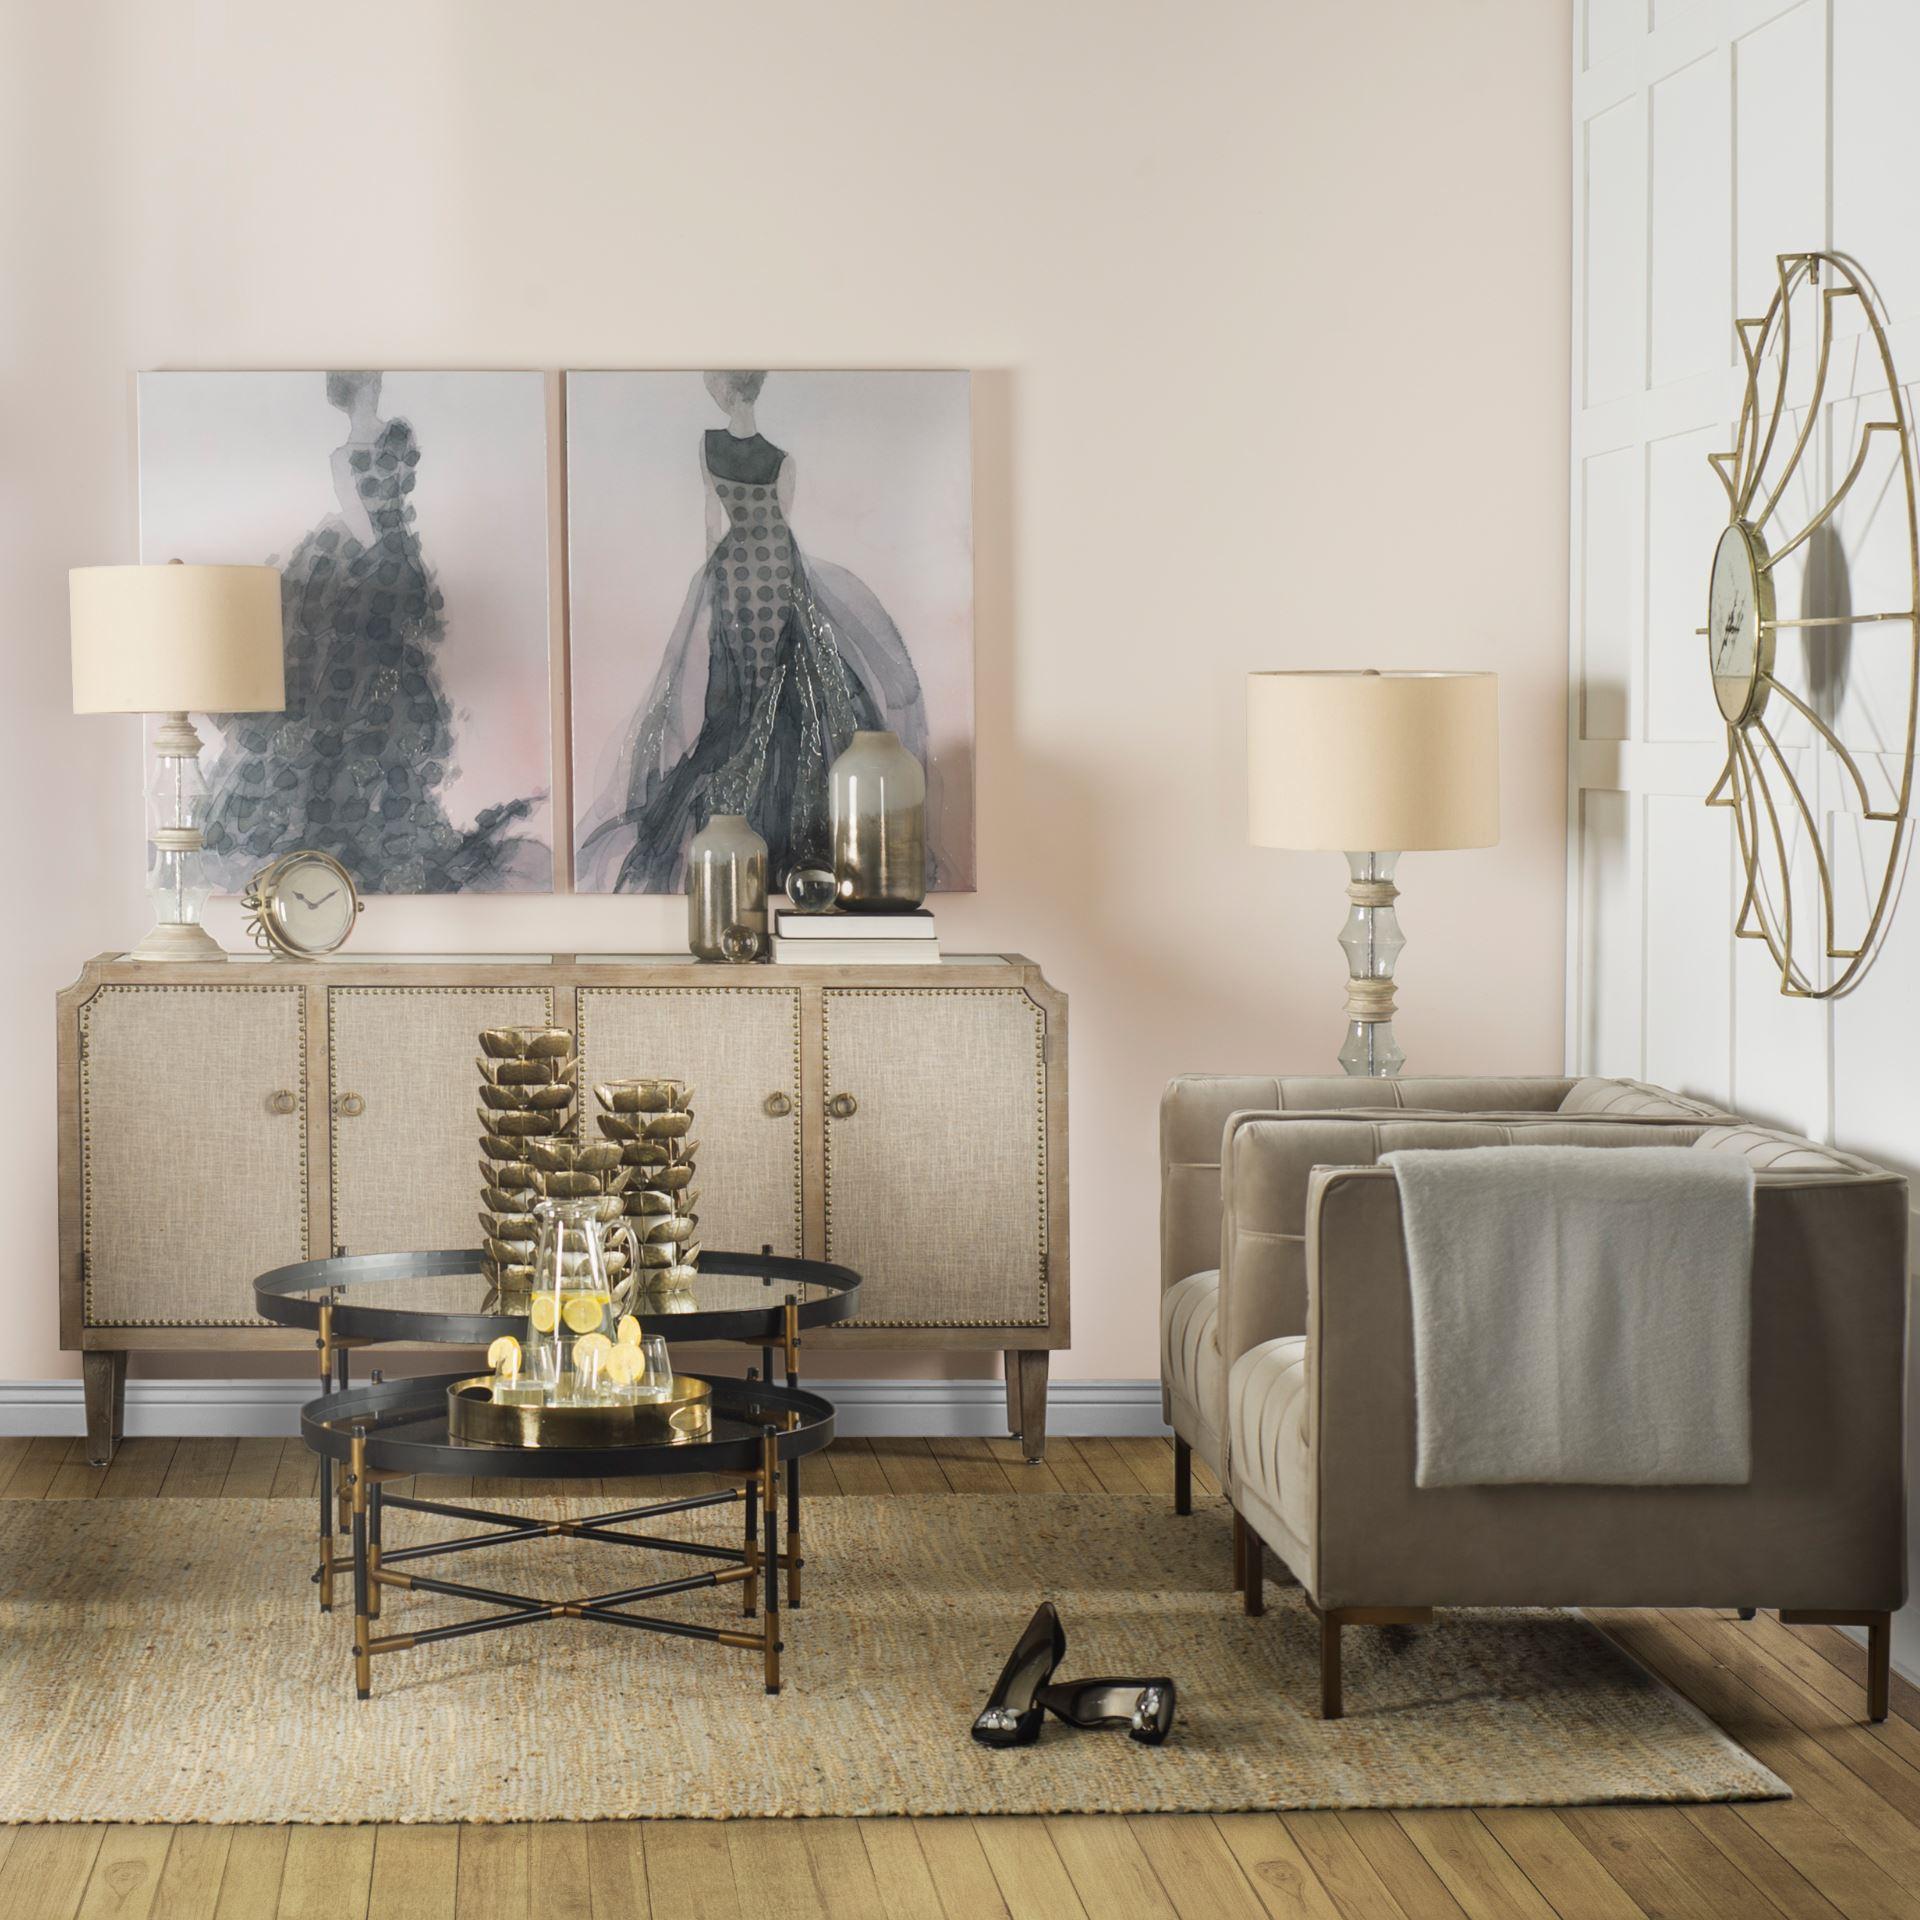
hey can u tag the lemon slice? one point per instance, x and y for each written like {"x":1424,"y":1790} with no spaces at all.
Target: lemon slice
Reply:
{"x":622,"y":1364}
{"x":541,"y":1313}
{"x":628,"y":1330}
{"x":589,"y":1350}
{"x":504,"y":1356}
{"x":583,"y":1311}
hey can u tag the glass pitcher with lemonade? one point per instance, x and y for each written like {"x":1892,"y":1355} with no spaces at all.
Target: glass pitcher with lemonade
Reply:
{"x":571,"y":1300}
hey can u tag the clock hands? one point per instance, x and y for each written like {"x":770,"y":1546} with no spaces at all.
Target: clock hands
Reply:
{"x":305,"y":902}
{"x":1730,"y":630}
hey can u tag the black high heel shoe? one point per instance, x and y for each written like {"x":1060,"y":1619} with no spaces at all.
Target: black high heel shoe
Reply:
{"x":1012,"y":1716}
{"x":1144,"y":1707}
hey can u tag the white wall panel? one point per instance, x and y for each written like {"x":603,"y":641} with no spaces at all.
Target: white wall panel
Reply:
{"x":1681,"y":16}
{"x":1608,"y":510}
{"x":1873,"y":1026}
{"x":1866,"y":566}
{"x":1876,"y":142}
{"x":1769,"y":127}
{"x":1615,"y":251}
{"x":1609,"y":1009}
{"x":1779,"y":1045}
{"x":1686,"y":512}
{"x":1780,"y":147}
{"x":1689,"y":971}
{"x":1613,"y":27}
{"x":1689,"y":239}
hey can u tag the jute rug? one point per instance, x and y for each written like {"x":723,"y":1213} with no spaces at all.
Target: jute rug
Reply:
{"x":164,"y":1661}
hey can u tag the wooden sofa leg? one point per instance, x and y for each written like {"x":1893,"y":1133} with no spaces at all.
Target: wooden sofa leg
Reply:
{"x":1879,"y":1628}
{"x":1331,"y":1705}
{"x":1254,"y":1587}
{"x":1332,"y":1619}
{"x":1239,"y":1554}
{"x":1182,"y":1476}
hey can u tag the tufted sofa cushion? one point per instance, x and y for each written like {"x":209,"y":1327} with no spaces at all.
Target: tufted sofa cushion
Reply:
{"x":1272,"y":1462}
{"x":1190,"y":1369}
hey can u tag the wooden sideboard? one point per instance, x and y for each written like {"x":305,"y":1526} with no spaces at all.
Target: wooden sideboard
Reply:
{"x":216,"y":1121}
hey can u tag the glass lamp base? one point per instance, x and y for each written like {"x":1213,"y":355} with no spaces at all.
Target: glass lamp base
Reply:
{"x":1372,"y":941}
{"x":176,"y":882}
{"x":1371,"y":1049}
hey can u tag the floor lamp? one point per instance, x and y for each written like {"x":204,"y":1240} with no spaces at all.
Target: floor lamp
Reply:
{"x":1372,"y":765}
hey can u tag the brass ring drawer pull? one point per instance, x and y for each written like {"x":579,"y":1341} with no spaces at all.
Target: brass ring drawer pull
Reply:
{"x":778,"y":1106}
{"x":349,"y":1106}
{"x":284,"y":1100}
{"x":843,"y":1106}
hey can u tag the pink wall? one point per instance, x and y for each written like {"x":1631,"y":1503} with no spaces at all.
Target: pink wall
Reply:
{"x":1268,"y":312}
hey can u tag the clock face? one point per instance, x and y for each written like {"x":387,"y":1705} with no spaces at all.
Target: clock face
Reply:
{"x":1739,"y":624}
{"x":312,"y":903}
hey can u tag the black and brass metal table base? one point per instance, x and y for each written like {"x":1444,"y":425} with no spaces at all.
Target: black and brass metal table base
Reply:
{"x":445,"y":1299}
{"x":335,"y":1509}
{"x":376,"y":1434}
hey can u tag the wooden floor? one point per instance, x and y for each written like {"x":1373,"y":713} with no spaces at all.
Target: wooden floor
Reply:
{"x":1847,"y":1844}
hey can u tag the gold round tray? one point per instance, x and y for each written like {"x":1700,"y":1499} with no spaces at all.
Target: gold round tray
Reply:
{"x":475,"y":1418}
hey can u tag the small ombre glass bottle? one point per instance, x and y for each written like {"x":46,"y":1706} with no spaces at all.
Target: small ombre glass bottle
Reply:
{"x":879,"y":811}
{"x":727,"y":890}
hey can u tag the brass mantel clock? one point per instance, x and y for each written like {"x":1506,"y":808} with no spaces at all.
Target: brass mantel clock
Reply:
{"x":1763,"y":683}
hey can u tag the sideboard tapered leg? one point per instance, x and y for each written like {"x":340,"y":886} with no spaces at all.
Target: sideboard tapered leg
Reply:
{"x":1033,"y":1402}
{"x":104,"y":1372}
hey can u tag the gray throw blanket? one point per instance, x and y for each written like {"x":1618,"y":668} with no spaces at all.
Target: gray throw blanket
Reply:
{"x":1580,"y":1314}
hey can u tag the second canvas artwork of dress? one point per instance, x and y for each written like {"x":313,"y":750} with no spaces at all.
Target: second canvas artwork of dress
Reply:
{"x":759,"y":565}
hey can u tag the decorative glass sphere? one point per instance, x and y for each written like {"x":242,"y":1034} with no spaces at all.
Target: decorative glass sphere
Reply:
{"x":810,"y":889}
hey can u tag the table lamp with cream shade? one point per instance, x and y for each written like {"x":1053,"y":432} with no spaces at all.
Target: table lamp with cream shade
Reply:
{"x":1373,"y":765}
{"x":176,"y":640}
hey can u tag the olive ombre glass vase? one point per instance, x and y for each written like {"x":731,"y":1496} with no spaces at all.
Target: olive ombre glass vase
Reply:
{"x":727,"y":890}
{"x":879,"y":808}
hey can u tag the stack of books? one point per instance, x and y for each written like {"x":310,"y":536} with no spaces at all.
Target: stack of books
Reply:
{"x":855,"y":939}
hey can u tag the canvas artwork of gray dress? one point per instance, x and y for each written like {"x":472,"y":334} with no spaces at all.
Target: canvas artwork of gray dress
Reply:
{"x":776,"y":660}
{"x":357,"y":763}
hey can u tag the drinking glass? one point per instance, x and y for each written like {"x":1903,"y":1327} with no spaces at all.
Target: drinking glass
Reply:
{"x":655,"y":1382}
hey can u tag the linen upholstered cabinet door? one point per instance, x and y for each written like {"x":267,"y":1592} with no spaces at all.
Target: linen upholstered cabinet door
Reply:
{"x":404,"y":1100}
{"x":739,"y":1049}
{"x":193,"y":1151}
{"x":936,"y":1190}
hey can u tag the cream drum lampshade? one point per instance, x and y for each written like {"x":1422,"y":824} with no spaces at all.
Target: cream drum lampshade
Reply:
{"x":1346,"y":761}
{"x":176,"y":639}
{"x":1372,"y":765}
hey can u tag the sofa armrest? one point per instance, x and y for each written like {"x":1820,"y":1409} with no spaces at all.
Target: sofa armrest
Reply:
{"x":1820,"y":1524}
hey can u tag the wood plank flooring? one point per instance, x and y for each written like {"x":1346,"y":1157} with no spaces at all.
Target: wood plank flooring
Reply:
{"x":1846,"y":1848}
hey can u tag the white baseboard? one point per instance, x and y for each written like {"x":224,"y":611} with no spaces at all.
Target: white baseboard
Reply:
{"x":271,"y":1408}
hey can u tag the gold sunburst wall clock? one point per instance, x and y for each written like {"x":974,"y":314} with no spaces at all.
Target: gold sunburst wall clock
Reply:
{"x":1781,"y":672}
